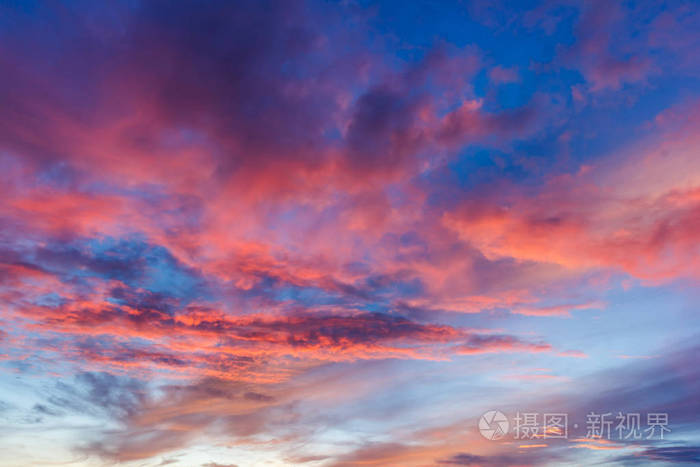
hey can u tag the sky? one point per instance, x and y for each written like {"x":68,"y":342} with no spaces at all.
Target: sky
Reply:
{"x":341,"y":234}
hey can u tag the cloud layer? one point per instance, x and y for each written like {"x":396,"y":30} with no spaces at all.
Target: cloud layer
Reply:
{"x":316,"y":234}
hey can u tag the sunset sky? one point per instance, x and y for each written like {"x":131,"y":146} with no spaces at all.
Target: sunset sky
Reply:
{"x":334,"y":234}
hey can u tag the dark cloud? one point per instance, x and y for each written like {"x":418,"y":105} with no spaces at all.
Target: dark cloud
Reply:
{"x":532,"y":457}
{"x":44,"y":410}
{"x":664,"y":385}
{"x":480,"y":343}
{"x":256,"y":80}
{"x":383,"y":130}
{"x":256,"y":396}
{"x":463,"y":458}
{"x":275,"y":89}
{"x":667,"y":454}
{"x":99,"y":393}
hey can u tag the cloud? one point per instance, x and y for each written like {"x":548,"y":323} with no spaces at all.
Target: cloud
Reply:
{"x":499,"y":343}
{"x":501,"y":75}
{"x":599,"y":57}
{"x":504,"y":460}
{"x":671,"y":454}
{"x":206,"y":206}
{"x":643,"y":230}
{"x":103,"y":392}
{"x":557,"y":310}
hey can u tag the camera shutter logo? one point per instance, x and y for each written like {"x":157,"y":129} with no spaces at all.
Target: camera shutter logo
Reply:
{"x":493,"y":425}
